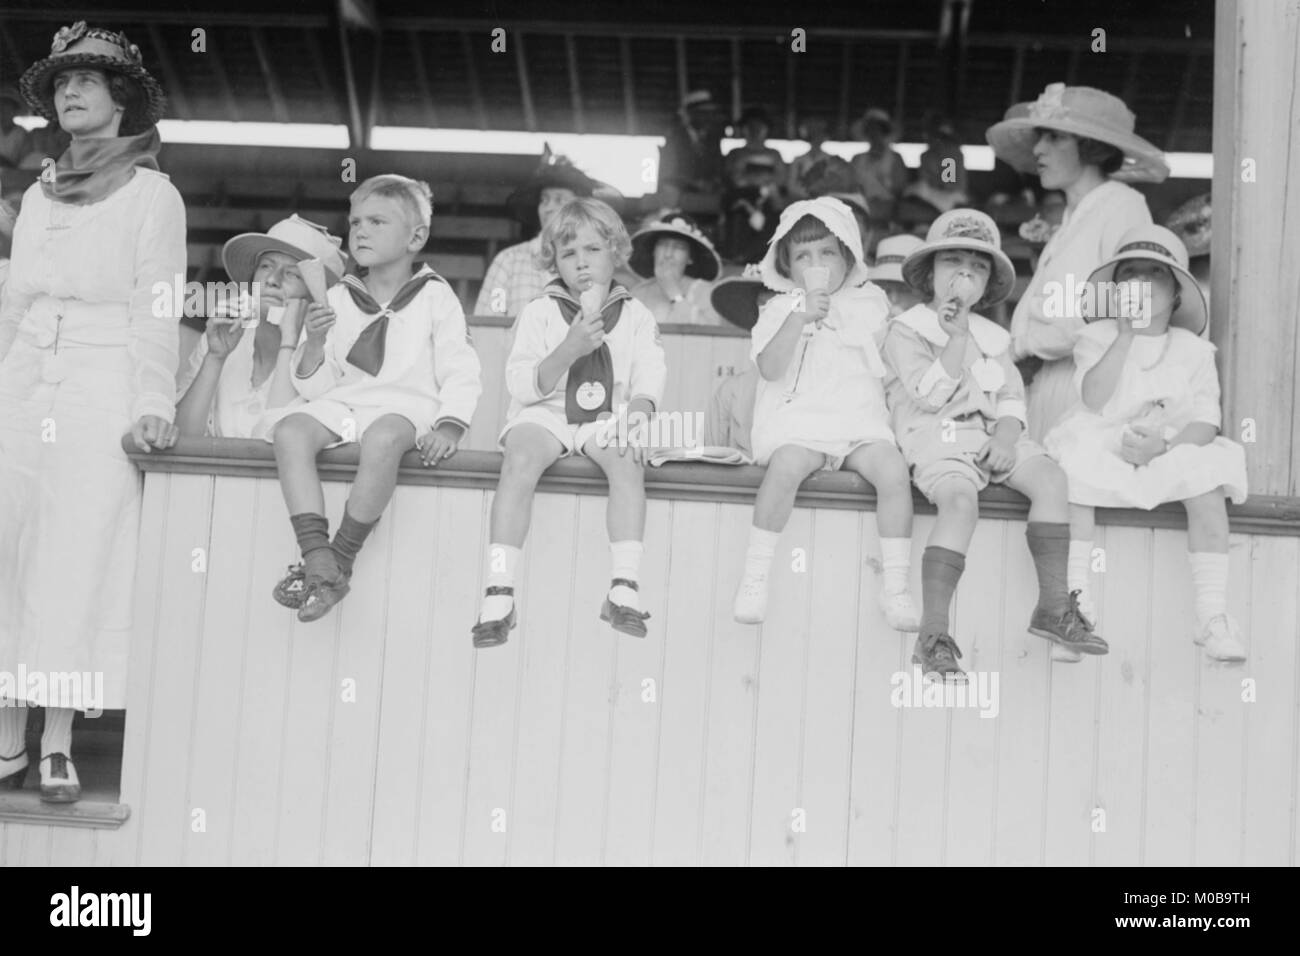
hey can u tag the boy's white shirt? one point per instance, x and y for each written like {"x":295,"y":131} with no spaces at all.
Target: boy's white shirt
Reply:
{"x":990,"y":338}
{"x":634,"y":347}
{"x":428,"y":355}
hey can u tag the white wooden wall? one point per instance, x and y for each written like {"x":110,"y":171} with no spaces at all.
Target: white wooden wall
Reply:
{"x":237,"y":709}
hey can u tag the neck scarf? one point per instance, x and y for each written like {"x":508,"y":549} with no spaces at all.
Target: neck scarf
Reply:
{"x":91,"y":170}
{"x":367,"y":353}
{"x":590,"y":388}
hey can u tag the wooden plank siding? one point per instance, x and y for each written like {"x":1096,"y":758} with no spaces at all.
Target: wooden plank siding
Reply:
{"x":379,"y":736}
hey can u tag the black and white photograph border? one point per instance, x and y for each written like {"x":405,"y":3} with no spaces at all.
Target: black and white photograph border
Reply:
{"x":676,"y":435}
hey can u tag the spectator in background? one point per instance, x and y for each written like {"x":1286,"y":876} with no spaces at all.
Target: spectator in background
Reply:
{"x":1190,"y":222}
{"x":887,"y":272}
{"x":13,"y":138}
{"x":754,"y":125}
{"x":676,"y":263}
{"x":881,"y":172}
{"x":752,"y":206}
{"x":814,"y":130}
{"x":941,"y":180}
{"x":690,"y":161}
{"x":514,"y":278}
{"x":834,"y":177}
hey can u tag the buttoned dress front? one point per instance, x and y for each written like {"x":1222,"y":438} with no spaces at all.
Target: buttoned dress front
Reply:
{"x":87,"y":347}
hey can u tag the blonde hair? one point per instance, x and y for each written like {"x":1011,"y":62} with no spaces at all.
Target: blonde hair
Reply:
{"x":414,"y":195}
{"x":575,"y":214}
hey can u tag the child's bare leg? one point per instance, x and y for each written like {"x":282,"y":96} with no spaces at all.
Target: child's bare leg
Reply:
{"x":297,"y":441}
{"x":957,"y":501}
{"x":882,"y":464}
{"x":529,"y":451}
{"x":384,"y":443}
{"x":624,"y":519}
{"x":1083,"y":524}
{"x":1207,"y":522}
{"x":786,"y":471}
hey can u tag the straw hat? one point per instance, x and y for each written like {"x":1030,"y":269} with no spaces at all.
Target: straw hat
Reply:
{"x":964,"y":229}
{"x":1161,"y":245}
{"x":80,"y":46}
{"x":890,"y":254}
{"x":294,"y":237}
{"x":704,"y":263}
{"x":1191,"y":223}
{"x":1082,"y":111}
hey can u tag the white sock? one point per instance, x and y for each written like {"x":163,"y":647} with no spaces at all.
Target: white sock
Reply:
{"x":895,"y":564}
{"x":1210,"y":578}
{"x":57,"y":736}
{"x":503,"y":560}
{"x":761,"y":551}
{"x":1078,"y":570}
{"x":13,"y":730}
{"x":625,"y":562}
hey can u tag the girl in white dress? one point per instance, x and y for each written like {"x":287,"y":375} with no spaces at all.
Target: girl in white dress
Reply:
{"x":87,"y":355}
{"x":821,"y":399}
{"x":1147,"y":430}
{"x":238,"y":383}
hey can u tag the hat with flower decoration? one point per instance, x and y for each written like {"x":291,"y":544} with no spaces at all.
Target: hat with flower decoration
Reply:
{"x":82,"y":46}
{"x":704,"y":263}
{"x":969,"y":230}
{"x":1081,"y":111}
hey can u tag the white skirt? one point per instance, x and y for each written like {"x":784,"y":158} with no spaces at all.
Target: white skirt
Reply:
{"x":1087,"y":447}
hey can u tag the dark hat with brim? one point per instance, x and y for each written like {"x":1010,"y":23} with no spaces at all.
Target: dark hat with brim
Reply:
{"x":81,"y":46}
{"x":704,"y":263}
{"x":522,"y":203}
{"x":736,"y":298}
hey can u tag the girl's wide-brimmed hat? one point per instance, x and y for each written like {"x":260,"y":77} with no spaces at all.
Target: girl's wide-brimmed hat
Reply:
{"x":704,"y":263}
{"x":1081,"y":111}
{"x":838,"y":218}
{"x":82,"y":46}
{"x":556,"y":172}
{"x":1161,"y":245}
{"x":295,"y":237}
{"x":891,"y":253}
{"x":967,"y":229}
{"x":738,"y":298}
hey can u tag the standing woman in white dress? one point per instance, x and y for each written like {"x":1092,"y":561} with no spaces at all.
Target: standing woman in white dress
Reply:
{"x":87,"y":355}
{"x":1078,"y":140}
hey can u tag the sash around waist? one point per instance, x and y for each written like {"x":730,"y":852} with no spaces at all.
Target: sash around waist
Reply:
{"x":75,"y":323}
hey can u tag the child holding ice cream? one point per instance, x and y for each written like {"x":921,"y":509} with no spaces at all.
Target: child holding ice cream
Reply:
{"x":820,"y":400}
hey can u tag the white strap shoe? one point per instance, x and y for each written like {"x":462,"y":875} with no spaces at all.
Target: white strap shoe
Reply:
{"x":751,"y":600}
{"x":1221,"y":639}
{"x":900,"y":611}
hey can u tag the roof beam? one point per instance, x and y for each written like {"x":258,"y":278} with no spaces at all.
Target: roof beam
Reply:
{"x":575,"y":88}
{"x":846,"y":77}
{"x":278,"y":107}
{"x":175,"y":90}
{"x":525,"y":87}
{"x":471,"y":70}
{"x":683,"y":82}
{"x":422,"y":78}
{"x":323,"y":75}
{"x":1180,"y":105}
{"x":629,"y":84}
{"x":356,"y":126}
{"x":223,"y":81}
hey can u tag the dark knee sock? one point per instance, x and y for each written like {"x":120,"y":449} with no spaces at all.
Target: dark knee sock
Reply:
{"x":1049,"y":543}
{"x":941,"y":569}
{"x":349,"y":538}
{"x":313,"y":533}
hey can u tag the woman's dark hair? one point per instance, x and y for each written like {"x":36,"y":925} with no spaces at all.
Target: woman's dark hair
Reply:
{"x":129,"y":95}
{"x":1106,"y":157}
{"x":808,"y":229}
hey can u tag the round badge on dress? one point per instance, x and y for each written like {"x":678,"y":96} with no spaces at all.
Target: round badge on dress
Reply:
{"x":590,"y":395}
{"x":988,"y":375}
{"x":55,"y":369}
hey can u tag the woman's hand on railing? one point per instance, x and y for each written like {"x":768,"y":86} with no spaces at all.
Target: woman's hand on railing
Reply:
{"x":151,"y":432}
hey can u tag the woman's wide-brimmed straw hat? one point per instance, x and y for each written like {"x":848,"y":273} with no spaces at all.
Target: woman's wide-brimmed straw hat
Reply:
{"x":967,"y":229}
{"x":704,"y":263}
{"x":556,"y":172}
{"x":1081,"y":111}
{"x":82,"y":46}
{"x":295,"y":237}
{"x":891,"y":253}
{"x":738,"y":298}
{"x":1161,"y":245}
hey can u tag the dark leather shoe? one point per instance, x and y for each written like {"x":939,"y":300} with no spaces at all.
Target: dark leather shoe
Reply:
{"x":1068,"y":628}
{"x":937,"y":656}
{"x":494,"y":633}
{"x":625,"y":620}
{"x":320,"y":596}
{"x":291,"y":588}
{"x":59,"y":783}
